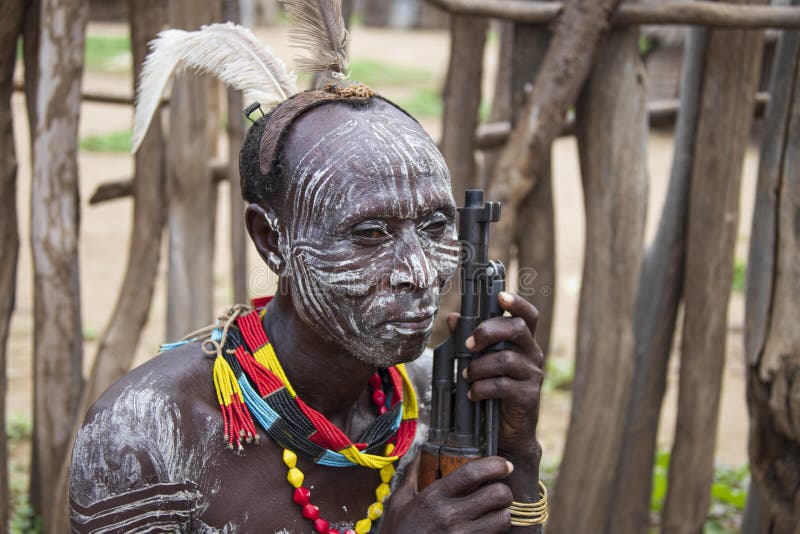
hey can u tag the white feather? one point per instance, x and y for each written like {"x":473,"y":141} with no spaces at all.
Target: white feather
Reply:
{"x":228,"y":51}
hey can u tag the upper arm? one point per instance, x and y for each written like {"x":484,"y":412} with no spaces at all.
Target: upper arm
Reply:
{"x":131,"y":466}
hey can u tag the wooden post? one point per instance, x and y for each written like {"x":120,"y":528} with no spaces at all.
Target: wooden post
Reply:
{"x":118,"y":343}
{"x":192,"y":194}
{"x":772,"y":340}
{"x":565,"y":66}
{"x":462,"y":100}
{"x":10,"y":27}
{"x":55,"y":214}
{"x":611,"y":121}
{"x":656,"y":310}
{"x":536,"y":231}
{"x":236,"y":130}
{"x":729,"y":85}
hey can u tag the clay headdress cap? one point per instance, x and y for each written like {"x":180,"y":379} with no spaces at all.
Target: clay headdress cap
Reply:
{"x":235,"y":56}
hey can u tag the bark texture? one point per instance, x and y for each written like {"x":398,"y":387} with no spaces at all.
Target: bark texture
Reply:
{"x":193,"y":118}
{"x":236,"y":130}
{"x":117,"y":346}
{"x":55,"y":214}
{"x":564,"y":69}
{"x":731,"y":74}
{"x":612,"y":140}
{"x":462,"y":100}
{"x":656,"y":310}
{"x":10,"y":27}
{"x":773,"y":305}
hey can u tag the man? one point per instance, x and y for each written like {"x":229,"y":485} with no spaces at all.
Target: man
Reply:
{"x":351,"y":206}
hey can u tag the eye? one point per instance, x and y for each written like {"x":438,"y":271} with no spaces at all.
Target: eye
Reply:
{"x":436,"y":224}
{"x":370,"y":232}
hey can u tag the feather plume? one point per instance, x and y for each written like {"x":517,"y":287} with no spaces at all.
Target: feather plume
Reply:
{"x":319,"y":29}
{"x":228,"y":51}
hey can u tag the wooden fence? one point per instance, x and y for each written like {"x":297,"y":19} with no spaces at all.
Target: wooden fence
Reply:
{"x":580,"y":54}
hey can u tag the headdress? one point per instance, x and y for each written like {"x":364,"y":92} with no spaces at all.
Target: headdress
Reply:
{"x":233,"y":54}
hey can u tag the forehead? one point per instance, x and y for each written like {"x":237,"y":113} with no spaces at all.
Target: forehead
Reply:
{"x":373,"y":161}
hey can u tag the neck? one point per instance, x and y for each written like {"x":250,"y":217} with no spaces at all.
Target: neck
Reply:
{"x":324,"y":375}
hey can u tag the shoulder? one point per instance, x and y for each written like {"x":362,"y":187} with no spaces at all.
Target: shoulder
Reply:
{"x":145,"y":444}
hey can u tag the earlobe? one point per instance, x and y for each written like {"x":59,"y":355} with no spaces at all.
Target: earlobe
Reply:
{"x":264,"y":229}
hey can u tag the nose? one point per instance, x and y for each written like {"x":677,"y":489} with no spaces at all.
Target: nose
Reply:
{"x":413,"y":269}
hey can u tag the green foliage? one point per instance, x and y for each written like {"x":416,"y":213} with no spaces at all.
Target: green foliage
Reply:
{"x":18,"y":428}
{"x":646,"y":45}
{"x":377,"y":73}
{"x":111,"y":142}
{"x":728,"y":494}
{"x":424,"y":102}
{"x":24,"y":521}
{"x":559,"y":374}
{"x":739,"y":275}
{"x":108,"y":54}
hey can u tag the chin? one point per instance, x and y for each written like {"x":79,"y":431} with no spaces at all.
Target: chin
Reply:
{"x":384,"y":355}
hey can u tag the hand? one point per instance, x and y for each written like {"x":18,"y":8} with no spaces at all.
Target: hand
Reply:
{"x":513,"y":376}
{"x":470,"y":499}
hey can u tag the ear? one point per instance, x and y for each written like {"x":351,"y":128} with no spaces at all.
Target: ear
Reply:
{"x":262,"y":226}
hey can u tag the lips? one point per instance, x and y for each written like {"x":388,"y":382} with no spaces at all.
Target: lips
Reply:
{"x":409,"y":324}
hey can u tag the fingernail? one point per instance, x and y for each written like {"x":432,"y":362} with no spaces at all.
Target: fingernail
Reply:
{"x":506,"y":297}
{"x":464,"y":374}
{"x":470,"y":342}
{"x":469,"y":394}
{"x":510,"y":466}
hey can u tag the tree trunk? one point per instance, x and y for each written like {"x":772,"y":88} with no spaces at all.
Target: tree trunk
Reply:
{"x":729,"y":86}
{"x":773,"y":304}
{"x":566,"y":65}
{"x":236,"y":130}
{"x":656,"y":310}
{"x":462,"y":101}
{"x":55,"y":214}
{"x":10,"y":27}
{"x":192,"y":195}
{"x":612,"y":141}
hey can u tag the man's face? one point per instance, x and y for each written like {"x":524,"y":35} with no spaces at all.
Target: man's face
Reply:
{"x":367,"y":233}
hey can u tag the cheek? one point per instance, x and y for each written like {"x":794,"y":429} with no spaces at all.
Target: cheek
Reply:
{"x":443,"y":256}
{"x":342,"y":268}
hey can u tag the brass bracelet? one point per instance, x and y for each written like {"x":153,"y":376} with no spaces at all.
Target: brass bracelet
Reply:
{"x":528,"y":514}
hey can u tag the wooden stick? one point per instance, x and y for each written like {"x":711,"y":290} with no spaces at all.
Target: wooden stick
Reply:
{"x":661,"y":113}
{"x":713,"y":14}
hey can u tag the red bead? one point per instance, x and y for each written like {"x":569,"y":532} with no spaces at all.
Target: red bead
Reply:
{"x":333,"y":531}
{"x":349,"y":531}
{"x":379,"y":397}
{"x":383,"y":410}
{"x":301,"y":496}
{"x":375,"y":381}
{"x":321,"y":526}
{"x":310,"y":512}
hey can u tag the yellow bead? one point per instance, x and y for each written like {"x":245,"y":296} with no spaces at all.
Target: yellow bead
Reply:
{"x":387,"y":472}
{"x":389,"y":449}
{"x":382,"y":492}
{"x":363,"y":526}
{"x":295,"y":477}
{"x":375,"y":510}
{"x":289,"y":458}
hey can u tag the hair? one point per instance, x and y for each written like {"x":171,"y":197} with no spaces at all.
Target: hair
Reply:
{"x":259,"y":187}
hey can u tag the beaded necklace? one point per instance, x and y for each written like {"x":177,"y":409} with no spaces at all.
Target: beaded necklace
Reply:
{"x":251,"y":384}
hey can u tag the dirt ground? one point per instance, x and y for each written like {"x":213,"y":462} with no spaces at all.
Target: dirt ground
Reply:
{"x":105,"y":230}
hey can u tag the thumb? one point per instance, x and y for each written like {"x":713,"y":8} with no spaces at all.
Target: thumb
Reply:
{"x":452,"y":321}
{"x":407,"y":489}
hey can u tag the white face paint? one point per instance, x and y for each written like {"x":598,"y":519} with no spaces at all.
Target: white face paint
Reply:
{"x":370,"y":238}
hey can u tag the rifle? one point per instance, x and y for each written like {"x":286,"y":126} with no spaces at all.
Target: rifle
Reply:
{"x":462,"y":430}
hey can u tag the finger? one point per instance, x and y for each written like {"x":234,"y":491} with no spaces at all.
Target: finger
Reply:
{"x":493,"y":522}
{"x":408,"y":486}
{"x":505,"y":388}
{"x":519,"y":307}
{"x":511,"y":329}
{"x":474,"y":474}
{"x":489,"y":498}
{"x":504,"y":363}
{"x":452,"y":321}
